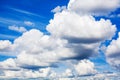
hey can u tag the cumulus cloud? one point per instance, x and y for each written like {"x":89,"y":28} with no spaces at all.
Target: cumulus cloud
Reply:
{"x":23,"y":73}
{"x":5,"y":44}
{"x":72,"y":37}
{"x":83,"y":33}
{"x":113,"y":53}
{"x":18,"y":29}
{"x":68,"y":73}
{"x":84,"y":27}
{"x":35,"y":50}
{"x":85,"y":67}
{"x":41,"y":49}
{"x":6,"y":48}
{"x":29,"y":23}
{"x":99,"y":7}
{"x":9,"y":64}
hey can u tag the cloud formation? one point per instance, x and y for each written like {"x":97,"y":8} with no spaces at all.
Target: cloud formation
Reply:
{"x":23,"y":73}
{"x":72,"y":37}
{"x":83,"y":33}
{"x":113,"y":53}
{"x":84,"y":27}
{"x":99,"y":7}
{"x":29,"y":23}
{"x":4,"y":44}
{"x":18,"y":29}
{"x":58,"y":9}
{"x":85,"y":67}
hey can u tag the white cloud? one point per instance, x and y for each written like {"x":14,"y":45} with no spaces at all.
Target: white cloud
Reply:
{"x":85,"y":67}
{"x":33,"y":44}
{"x":72,"y":37}
{"x":69,"y":32}
{"x":33,"y":49}
{"x":103,"y":76}
{"x":18,"y":29}
{"x":113,"y":53}
{"x":5,"y":44}
{"x":68,"y":73}
{"x":71,"y":25}
{"x":29,"y":23}
{"x":40,"y":48}
{"x":9,"y":64}
{"x":67,"y":79}
{"x":58,"y":9}
{"x":83,"y":33}
{"x":99,"y":7}
{"x":24,"y":73}
{"x":31,"y":61}
{"x":6,"y":48}
{"x":12,"y":69}
{"x":37,"y":50}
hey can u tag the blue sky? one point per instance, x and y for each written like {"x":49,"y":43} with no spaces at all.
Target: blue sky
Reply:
{"x":59,"y":37}
{"x":38,"y":12}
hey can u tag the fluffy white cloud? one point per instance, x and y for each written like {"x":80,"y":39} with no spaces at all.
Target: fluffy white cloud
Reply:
{"x":83,"y":33}
{"x":18,"y":29}
{"x":72,"y":37}
{"x":12,"y":69}
{"x":35,"y":50}
{"x":29,"y":23}
{"x":24,"y":73}
{"x":68,"y":73}
{"x":6,"y":48}
{"x":5,"y":45}
{"x":41,"y":49}
{"x":71,"y":25}
{"x":113,"y":53}
{"x":9,"y":64}
{"x":93,"y":7}
{"x":85,"y":67}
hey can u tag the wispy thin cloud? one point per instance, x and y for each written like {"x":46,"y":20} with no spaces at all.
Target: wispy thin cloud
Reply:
{"x":9,"y":21}
{"x":5,"y":22}
{"x":26,"y":12}
{"x":7,"y":36}
{"x":113,"y":16}
{"x":118,"y":15}
{"x":18,"y":29}
{"x":29,"y":23}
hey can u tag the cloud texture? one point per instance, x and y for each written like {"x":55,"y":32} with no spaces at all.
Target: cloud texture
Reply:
{"x":113,"y":53}
{"x":72,"y":37}
{"x":93,"y":7}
